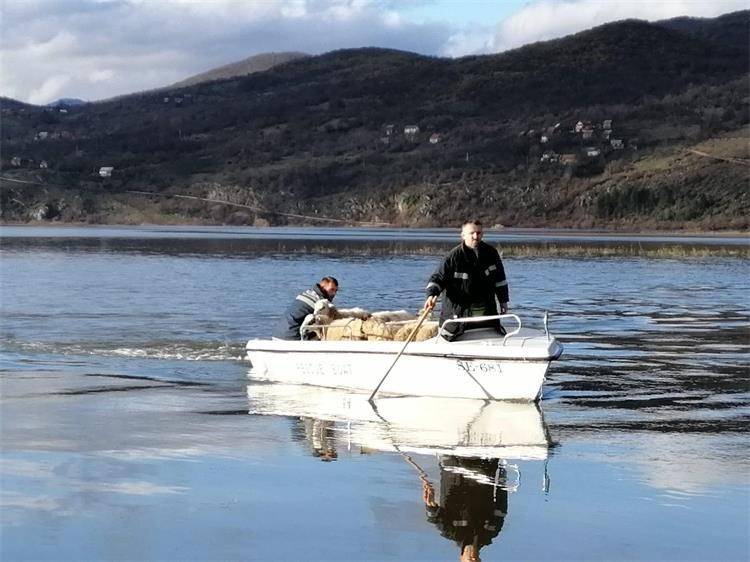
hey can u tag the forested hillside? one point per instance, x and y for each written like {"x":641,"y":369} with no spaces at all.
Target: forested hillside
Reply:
{"x":628,"y":125}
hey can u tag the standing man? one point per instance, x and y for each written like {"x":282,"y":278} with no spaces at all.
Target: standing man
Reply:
{"x":472,"y":276}
{"x":302,"y":305}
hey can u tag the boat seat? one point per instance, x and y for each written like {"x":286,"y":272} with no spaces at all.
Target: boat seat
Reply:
{"x":472,"y":334}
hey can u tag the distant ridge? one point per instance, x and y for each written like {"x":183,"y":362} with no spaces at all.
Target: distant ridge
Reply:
{"x":729,"y":29}
{"x":67,"y":102}
{"x":250,"y":65}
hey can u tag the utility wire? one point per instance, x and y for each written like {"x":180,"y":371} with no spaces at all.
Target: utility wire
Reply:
{"x":222,"y":202}
{"x":263,"y":211}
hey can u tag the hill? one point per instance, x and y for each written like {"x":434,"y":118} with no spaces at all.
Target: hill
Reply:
{"x":250,"y":65}
{"x":67,"y":102}
{"x":594,"y":129}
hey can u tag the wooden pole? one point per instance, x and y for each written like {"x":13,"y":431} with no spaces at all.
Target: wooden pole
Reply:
{"x":422,"y":318}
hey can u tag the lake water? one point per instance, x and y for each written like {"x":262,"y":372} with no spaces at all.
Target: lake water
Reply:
{"x":129,"y":429}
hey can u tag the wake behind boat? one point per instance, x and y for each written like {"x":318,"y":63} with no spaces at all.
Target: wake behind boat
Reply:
{"x":480,"y":364}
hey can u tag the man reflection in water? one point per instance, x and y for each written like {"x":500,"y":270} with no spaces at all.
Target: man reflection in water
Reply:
{"x":471,"y":510}
{"x":319,"y":434}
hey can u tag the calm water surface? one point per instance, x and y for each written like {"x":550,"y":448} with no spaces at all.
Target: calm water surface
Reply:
{"x":129,"y":430}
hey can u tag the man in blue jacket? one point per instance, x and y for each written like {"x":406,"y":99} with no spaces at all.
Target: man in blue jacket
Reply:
{"x":472,"y":276}
{"x":302,"y":305}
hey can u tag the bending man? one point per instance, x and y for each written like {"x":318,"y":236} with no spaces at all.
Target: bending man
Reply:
{"x":302,"y":305}
{"x":473,"y":277}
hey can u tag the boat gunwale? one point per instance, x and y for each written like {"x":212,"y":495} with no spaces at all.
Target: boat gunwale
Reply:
{"x":464,"y":357}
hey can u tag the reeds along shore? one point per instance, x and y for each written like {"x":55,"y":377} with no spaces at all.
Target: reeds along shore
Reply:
{"x":668,"y":251}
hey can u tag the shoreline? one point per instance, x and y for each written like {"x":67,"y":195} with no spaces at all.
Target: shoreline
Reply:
{"x":540,"y":231}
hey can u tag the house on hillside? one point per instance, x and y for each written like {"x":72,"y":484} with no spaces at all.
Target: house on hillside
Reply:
{"x":106,"y":171}
{"x":585,"y":128}
{"x":549,"y":156}
{"x":607,"y":124}
{"x":389,"y":129}
{"x":544,"y":139}
{"x":41,"y":135}
{"x":15,"y":161}
{"x":435,"y":138}
{"x":568,"y":159}
{"x":43,"y":165}
{"x":592,"y":152}
{"x":617,"y":144}
{"x":411,"y":130}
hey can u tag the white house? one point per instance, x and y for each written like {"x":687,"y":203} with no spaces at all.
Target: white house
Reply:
{"x":549,"y":156}
{"x":106,"y":171}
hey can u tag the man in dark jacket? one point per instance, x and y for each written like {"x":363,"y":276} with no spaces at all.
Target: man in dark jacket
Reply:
{"x":302,"y":305}
{"x":472,"y":276}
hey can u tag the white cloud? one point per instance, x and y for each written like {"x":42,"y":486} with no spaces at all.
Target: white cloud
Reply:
{"x":51,"y":88}
{"x":469,"y":42}
{"x":132,"y":488}
{"x":720,"y":465}
{"x":27,"y":502}
{"x":95,"y":49}
{"x":551,"y":19}
{"x":101,"y":75}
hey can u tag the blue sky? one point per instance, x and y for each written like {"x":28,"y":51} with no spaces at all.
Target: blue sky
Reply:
{"x":465,"y":12}
{"x":96,"y":49}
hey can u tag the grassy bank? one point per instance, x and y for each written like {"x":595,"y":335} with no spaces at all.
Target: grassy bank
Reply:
{"x":525,"y":250}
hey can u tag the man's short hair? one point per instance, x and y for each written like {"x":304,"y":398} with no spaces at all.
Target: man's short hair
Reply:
{"x":329,"y":279}
{"x":475,"y":222}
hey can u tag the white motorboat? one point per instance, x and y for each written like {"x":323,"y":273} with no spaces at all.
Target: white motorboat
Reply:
{"x":481,"y":364}
{"x":420,"y":425}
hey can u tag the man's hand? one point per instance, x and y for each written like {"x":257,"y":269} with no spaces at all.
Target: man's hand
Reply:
{"x":428,"y":494}
{"x":431,"y":302}
{"x":503,"y":308}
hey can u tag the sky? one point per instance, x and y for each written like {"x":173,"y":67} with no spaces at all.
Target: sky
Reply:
{"x":97,"y":49}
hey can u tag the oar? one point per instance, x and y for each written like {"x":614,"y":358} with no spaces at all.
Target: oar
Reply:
{"x":423,"y":476}
{"x":422,"y":317}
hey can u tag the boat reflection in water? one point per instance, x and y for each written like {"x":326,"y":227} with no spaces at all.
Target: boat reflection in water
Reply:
{"x":472,"y":441}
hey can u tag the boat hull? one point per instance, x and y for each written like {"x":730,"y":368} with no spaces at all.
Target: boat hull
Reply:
{"x":455,"y":370}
